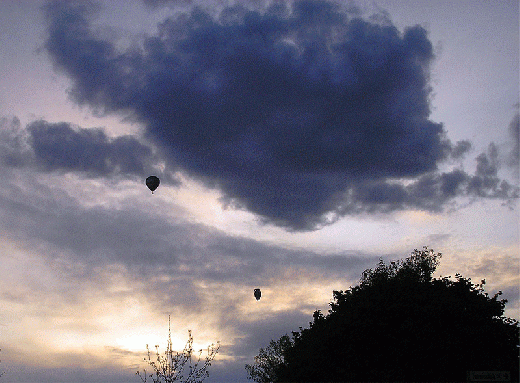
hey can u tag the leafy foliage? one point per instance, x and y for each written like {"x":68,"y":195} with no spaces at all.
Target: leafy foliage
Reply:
{"x":400,"y":324}
{"x":178,"y":366}
{"x":267,"y":362}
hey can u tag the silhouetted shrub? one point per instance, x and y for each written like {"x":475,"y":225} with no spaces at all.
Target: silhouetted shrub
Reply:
{"x":181,"y":367}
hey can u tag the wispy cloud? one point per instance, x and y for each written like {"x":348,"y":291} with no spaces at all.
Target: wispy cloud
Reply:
{"x":89,"y":271}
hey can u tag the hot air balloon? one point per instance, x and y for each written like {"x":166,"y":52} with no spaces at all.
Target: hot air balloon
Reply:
{"x":258,"y":294}
{"x":153,"y":183}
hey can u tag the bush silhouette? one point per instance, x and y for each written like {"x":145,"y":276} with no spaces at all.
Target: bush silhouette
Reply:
{"x":399,"y":324}
{"x":182,"y":367}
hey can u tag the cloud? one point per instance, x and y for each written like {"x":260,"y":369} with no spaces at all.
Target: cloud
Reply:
{"x":15,"y":149}
{"x":170,"y":257}
{"x":62,"y":147}
{"x":513,"y":159}
{"x":300,"y":113}
{"x":113,"y":265}
{"x":137,"y":262}
{"x":160,"y":3}
{"x":58,"y":146}
{"x":460,"y":149}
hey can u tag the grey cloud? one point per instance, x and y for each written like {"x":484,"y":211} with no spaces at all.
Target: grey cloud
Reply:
{"x":512,"y":294}
{"x":14,"y":147}
{"x":84,"y":250}
{"x":432,"y":191}
{"x":170,"y":256}
{"x":296,"y":113}
{"x":452,"y":182}
{"x":166,"y":260}
{"x":513,"y":159}
{"x":460,"y":149}
{"x":258,"y":333}
{"x":486,"y":182}
{"x":435,"y":239}
{"x":60,"y":146}
{"x":21,"y":373}
{"x":160,"y":3}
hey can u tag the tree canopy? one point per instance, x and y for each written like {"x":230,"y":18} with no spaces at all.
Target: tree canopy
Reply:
{"x":398,"y":324}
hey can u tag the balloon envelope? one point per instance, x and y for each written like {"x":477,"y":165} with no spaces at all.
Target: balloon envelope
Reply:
{"x":258,"y":294}
{"x":152,"y":182}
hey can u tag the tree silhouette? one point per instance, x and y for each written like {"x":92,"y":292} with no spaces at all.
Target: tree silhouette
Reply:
{"x":400,"y":324}
{"x":268,"y":361}
{"x":179,"y":366}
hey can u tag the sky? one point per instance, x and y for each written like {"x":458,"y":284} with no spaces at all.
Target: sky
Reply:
{"x":297,"y":143}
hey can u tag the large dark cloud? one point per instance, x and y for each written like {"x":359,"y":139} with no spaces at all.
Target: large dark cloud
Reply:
{"x":300,"y":113}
